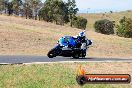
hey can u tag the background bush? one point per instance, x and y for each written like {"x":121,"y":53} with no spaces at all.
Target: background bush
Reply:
{"x":104,"y":26}
{"x":124,"y":29}
{"x":79,"y":22}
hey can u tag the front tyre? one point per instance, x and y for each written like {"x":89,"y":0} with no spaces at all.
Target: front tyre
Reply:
{"x":52,"y":53}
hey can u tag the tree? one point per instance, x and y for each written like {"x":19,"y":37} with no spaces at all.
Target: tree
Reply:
{"x":10,"y":8}
{"x":36,"y":4}
{"x":54,"y":11}
{"x":79,"y":22}
{"x":27,"y":9}
{"x":72,"y":10}
{"x":104,"y":26}
{"x":111,"y":11}
{"x":124,"y":29}
{"x":31,"y":8}
{"x":46,"y":12}
{"x":1,"y":5}
{"x":60,"y":12}
{"x":16,"y":6}
{"x":4,"y":5}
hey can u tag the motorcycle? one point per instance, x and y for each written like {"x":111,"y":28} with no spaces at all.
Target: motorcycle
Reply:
{"x":69,"y":46}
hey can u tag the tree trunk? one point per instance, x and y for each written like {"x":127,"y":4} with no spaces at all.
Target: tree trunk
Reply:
{"x":71,"y":20}
{"x":26,"y":14}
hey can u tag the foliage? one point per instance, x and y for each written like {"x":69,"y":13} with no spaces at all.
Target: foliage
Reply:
{"x":35,"y":5}
{"x":57,"y":11}
{"x":46,"y":12}
{"x":124,"y":29}
{"x":104,"y":26}
{"x":1,"y":4}
{"x":16,"y":6}
{"x":27,"y":9}
{"x":54,"y":11}
{"x":72,"y":10}
{"x":79,"y":22}
{"x":4,"y":5}
{"x":10,"y":8}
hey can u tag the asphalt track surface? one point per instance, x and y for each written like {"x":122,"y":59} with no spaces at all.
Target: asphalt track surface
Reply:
{"x":20,"y":59}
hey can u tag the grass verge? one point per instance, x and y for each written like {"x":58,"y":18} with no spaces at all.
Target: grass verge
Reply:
{"x":58,"y":75}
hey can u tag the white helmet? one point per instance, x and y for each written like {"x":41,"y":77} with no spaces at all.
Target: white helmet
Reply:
{"x":82,"y":34}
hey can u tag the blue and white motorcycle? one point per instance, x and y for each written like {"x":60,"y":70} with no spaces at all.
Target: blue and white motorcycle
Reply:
{"x":69,"y":46}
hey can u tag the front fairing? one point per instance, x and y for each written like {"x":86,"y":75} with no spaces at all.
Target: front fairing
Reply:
{"x":66,"y":41}
{"x":56,"y":46}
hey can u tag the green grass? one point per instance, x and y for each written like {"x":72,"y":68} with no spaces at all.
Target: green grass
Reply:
{"x":38,"y":76}
{"x":42,"y":76}
{"x":35,"y":76}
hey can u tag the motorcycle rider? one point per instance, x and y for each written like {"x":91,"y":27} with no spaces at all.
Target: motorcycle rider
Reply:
{"x":83,"y":42}
{"x":82,"y":39}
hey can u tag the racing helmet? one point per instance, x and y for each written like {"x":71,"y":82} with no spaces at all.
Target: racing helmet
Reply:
{"x":81,"y":34}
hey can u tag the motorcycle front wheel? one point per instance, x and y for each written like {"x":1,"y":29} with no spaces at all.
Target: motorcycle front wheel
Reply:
{"x":52,"y":53}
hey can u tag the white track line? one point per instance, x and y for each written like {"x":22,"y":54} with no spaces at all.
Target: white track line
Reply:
{"x":65,"y":62}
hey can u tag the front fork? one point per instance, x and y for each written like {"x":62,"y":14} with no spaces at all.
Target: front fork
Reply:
{"x":58,"y":49}
{"x":83,"y":49}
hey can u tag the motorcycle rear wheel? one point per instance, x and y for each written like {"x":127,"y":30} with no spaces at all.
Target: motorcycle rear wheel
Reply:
{"x":76,"y":55}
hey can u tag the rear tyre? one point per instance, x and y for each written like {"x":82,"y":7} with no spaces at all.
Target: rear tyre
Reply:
{"x":76,"y":55}
{"x":83,"y":54}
